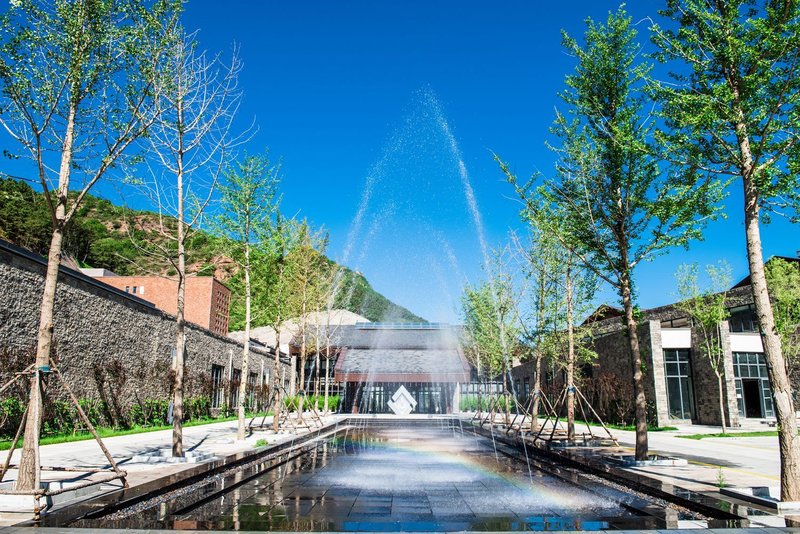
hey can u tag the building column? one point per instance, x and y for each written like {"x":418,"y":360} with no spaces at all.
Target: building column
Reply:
{"x":293,"y":376}
{"x":657,"y":371}
{"x":731,"y":403}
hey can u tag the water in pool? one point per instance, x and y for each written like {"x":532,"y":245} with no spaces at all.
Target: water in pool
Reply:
{"x":401,"y":479}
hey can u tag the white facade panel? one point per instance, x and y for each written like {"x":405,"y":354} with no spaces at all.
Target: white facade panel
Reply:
{"x":746,"y":342}
{"x":676,"y":338}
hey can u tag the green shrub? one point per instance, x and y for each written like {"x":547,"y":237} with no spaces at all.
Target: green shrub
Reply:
{"x":470,"y":403}
{"x":60,"y":417}
{"x":309,"y":402}
{"x":152,"y":412}
{"x":93,"y":409}
{"x":197,"y":408}
{"x":11,"y":410}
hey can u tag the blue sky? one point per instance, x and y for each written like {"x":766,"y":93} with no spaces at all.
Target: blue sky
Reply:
{"x":345,"y":90}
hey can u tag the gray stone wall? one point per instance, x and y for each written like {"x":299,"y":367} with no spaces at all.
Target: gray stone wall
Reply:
{"x":706,"y":386}
{"x":109,"y":344}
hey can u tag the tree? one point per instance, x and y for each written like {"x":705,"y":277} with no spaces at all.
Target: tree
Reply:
{"x":78,"y":80}
{"x":306,"y":266}
{"x":563,"y":290}
{"x":614,"y":206}
{"x":277,"y":298}
{"x":731,"y":112}
{"x":783,"y":279}
{"x":249,"y":202}
{"x":541,"y":261}
{"x":491,"y":322}
{"x":708,"y":309}
{"x":189,"y":144}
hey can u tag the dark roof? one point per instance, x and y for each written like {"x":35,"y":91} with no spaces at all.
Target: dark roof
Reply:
{"x":394,"y":336}
{"x":746,"y":280}
{"x":401,"y":365}
{"x":393,"y":353}
{"x":604,"y":311}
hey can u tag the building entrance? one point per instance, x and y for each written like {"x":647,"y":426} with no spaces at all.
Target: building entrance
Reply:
{"x":751,"y":395}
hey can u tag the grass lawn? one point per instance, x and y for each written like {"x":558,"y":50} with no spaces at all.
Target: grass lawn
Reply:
{"x":757,"y":434}
{"x":631,"y":428}
{"x":106,"y":432}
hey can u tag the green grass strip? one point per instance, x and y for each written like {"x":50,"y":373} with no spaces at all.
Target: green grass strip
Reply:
{"x":108,"y":432}
{"x":756,"y":434}
{"x":631,"y":428}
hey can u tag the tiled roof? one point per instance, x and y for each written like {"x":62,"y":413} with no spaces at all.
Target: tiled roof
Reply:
{"x":400,"y":355}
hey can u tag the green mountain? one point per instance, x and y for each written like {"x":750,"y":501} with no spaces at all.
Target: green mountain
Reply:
{"x":122,"y":240}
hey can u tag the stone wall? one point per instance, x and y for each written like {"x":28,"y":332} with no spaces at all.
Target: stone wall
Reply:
{"x":109,"y":344}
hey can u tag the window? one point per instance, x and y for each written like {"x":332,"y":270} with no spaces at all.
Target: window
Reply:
{"x":236,"y":380}
{"x":743,"y":319}
{"x":526,"y":387}
{"x":678,"y":373}
{"x":127,"y":289}
{"x":753,"y":394}
{"x":252,"y":382}
{"x":216,"y":386}
{"x":141,"y":290}
{"x":134,"y":289}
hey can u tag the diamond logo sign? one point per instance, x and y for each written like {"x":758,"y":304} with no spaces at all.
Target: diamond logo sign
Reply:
{"x":402,"y":402}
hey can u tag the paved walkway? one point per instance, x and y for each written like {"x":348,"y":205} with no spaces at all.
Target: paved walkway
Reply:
{"x":745,"y":461}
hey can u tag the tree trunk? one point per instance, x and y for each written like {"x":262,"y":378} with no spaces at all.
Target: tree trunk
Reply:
{"x":721,"y":402}
{"x":276,"y":408}
{"x":570,"y":357}
{"x":537,"y":390}
{"x":505,"y":394}
{"x":636,"y":367}
{"x":327,"y":374}
{"x":180,"y":336}
{"x":246,"y":349}
{"x":316,"y":378}
{"x":540,"y":317}
{"x":788,"y":440}
{"x":29,"y":464}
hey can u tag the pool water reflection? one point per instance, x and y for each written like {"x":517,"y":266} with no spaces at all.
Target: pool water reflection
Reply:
{"x":383,"y":479}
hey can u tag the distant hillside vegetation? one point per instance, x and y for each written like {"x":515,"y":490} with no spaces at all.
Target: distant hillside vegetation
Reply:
{"x":118,"y":239}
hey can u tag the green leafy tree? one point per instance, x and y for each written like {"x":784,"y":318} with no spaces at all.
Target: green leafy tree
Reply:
{"x":276,"y":299}
{"x":783,"y":278}
{"x":77,"y":83}
{"x":731,"y":112}
{"x":491,"y":323}
{"x":563,"y":289}
{"x":614,"y":206}
{"x":707,"y":309}
{"x":307,"y":266}
{"x":249,"y":203}
{"x":541,"y":263}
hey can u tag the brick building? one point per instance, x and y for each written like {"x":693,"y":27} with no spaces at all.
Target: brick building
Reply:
{"x":99,"y":328}
{"x":207,"y":299}
{"x":680,"y":384}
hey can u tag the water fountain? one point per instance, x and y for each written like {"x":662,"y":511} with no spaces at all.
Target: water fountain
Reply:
{"x":362,"y":474}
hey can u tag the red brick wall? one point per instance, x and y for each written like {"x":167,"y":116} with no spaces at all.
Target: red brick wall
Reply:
{"x":207,"y":300}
